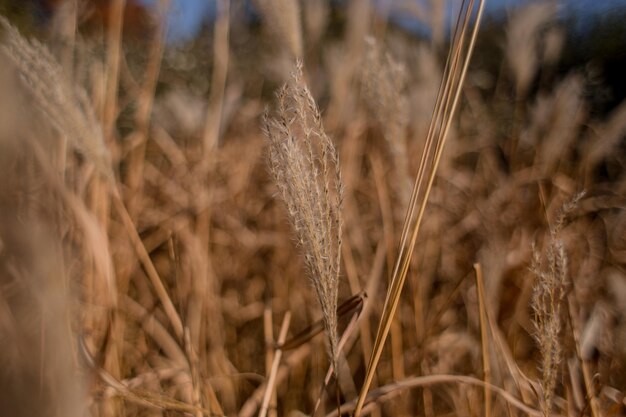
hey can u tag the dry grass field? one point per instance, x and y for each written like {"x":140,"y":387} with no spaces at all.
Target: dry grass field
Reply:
{"x":265,"y":221}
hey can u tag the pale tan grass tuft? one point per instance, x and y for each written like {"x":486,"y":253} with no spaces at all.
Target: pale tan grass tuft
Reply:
{"x":603,"y":140}
{"x":65,"y":106}
{"x":316,"y":17}
{"x":547,"y":301}
{"x":282,"y":18}
{"x":523,"y":40}
{"x":554,"y":40}
{"x":38,"y":373}
{"x":556,"y":123}
{"x":384,"y":90}
{"x":305,"y":167}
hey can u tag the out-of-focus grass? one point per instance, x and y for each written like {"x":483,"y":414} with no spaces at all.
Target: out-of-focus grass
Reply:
{"x":146,"y":270}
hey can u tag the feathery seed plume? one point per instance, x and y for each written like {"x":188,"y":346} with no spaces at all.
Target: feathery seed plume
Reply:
{"x":305,"y":167}
{"x":547,"y":299}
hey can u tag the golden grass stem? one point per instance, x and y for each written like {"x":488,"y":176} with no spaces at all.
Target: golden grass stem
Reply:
{"x":145,"y":101}
{"x":114,"y":43}
{"x":353,"y":305}
{"x":192,"y":360}
{"x":151,"y":272}
{"x":484,"y":336}
{"x":249,"y":407}
{"x":389,"y":391}
{"x":587,"y":373}
{"x":268,"y":332}
{"x":359,"y":298}
{"x":351,"y":273}
{"x":271,"y":380}
{"x":218,"y":78}
{"x":447,"y":101}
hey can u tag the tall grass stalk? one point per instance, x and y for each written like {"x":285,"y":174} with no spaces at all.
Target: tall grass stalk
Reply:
{"x":461,"y":49}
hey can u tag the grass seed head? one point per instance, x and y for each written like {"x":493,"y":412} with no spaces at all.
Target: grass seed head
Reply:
{"x":305,"y":166}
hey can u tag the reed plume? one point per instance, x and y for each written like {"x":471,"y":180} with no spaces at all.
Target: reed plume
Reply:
{"x":64,"y":105}
{"x":523,"y":38}
{"x":547,"y":300}
{"x":305,"y":166}
{"x":384,"y":91}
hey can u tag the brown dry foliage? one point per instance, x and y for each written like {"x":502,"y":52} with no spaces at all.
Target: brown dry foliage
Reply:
{"x":159,"y":310}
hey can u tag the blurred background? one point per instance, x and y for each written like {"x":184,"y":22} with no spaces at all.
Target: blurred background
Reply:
{"x":593,"y":31}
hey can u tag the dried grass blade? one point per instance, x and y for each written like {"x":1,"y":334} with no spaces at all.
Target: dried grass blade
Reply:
{"x":145,"y":102}
{"x":114,"y":47}
{"x":484,"y":336}
{"x":388,"y":391}
{"x":352,"y":304}
{"x":218,"y":79}
{"x":592,"y":397}
{"x":144,"y":258}
{"x":359,"y":300}
{"x":271,"y":381}
{"x":447,"y":100}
